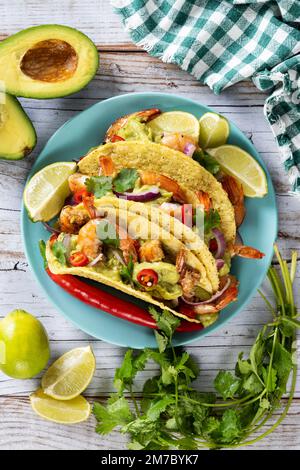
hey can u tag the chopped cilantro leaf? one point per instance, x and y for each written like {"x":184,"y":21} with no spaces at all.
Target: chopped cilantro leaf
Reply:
{"x":125,"y":180}
{"x":99,"y":185}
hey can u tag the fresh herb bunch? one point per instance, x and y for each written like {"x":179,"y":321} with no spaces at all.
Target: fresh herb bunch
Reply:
{"x":171,"y":414}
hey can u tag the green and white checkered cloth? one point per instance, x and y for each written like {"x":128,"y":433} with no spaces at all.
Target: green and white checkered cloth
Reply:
{"x":224,"y":42}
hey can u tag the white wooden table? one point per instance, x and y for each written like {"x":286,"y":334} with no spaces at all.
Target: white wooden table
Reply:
{"x":123,"y":68}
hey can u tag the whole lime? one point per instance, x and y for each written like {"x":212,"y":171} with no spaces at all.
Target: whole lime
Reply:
{"x":24,"y":345}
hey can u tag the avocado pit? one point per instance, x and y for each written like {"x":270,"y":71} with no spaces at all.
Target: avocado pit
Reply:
{"x":52,"y":60}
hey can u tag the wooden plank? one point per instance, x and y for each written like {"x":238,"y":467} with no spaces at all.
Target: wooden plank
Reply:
{"x":94,"y":18}
{"x":16,"y":415}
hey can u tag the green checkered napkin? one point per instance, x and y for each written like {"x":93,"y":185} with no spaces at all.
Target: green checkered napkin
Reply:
{"x":224,"y":42}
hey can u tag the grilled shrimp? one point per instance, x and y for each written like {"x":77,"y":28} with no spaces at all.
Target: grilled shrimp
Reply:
{"x":107,"y":166}
{"x":145,"y":116}
{"x":76,"y":182}
{"x":245,"y":251}
{"x":236,"y":196}
{"x":151,"y":251}
{"x":88,"y":242}
{"x":204,"y":200}
{"x":71,"y":219}
{"x":150,"y":178}
{"x":177,"y":141}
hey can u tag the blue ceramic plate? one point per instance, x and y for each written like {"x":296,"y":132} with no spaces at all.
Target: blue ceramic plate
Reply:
{"x":86,"y":130}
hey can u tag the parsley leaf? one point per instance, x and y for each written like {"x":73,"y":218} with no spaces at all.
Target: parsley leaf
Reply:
{"x":116,"y":413}
{"x":131,"y":365}
{"x":165,"y":320}
{"x":167,"y":324}
{"x":230,"y":426}
{"x":99,"y":185}
{"x":125,"y":180}
{"x":226,"y":384}
{"x":59,"y":251}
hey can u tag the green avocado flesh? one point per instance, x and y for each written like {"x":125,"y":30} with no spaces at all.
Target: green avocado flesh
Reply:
{"x":47,"y":61}
{"x":17,"y":134}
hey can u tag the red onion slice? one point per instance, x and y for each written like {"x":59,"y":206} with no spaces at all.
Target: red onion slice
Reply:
{"x":149,"y":195}
{"x":212,"y":299}
{"x":220,"y":263}
{"x":219,"y":237}
{"x":95,"y":261}
{"x":50,"y":229}
{"x":189,"y":149}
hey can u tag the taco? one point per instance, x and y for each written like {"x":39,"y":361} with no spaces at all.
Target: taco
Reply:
{"x":126,"y":251}
{"x":180,"y":179}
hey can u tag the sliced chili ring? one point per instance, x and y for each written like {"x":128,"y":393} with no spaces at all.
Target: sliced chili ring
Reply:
{"x":78,"y":259}
{"x":147,"y":277}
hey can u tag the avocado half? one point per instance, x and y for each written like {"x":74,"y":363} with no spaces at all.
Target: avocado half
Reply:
{"x":47,"y":61}
{"x":17,"y":134}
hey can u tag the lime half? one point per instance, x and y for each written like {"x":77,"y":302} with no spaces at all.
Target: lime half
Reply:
{"x":243,"y":167}
{"x":70,"y":375}
{"x":214,"y":130}
{"x":64,"y":412}
{"x":175,"y":121}
{"x":47,"y":190}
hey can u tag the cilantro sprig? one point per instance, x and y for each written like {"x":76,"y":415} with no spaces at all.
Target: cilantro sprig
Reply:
{"x":125,"y":180}
{"x":173,"y":414}
{"x":101,"y":185}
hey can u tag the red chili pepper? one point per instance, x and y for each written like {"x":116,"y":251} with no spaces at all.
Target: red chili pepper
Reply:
{"x":116,"y":138}
{"x":187,"y":310}
{"x":109,"y":303}
{"x":80,"y":195}
{"x":147,"y":277}
{"x":78,"y":259}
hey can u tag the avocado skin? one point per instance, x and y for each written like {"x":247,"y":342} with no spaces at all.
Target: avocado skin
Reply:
{"x":51,"y":94}
{"x":30,"y":130}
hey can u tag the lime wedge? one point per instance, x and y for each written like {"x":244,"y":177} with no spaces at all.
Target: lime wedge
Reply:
{"x":243,"y":167}
{"x":64,"y":412}
{"x":175,"y":121}
{"x":46,"y":191}
{"x":70,"y":375}
{"x":214,"y":130}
